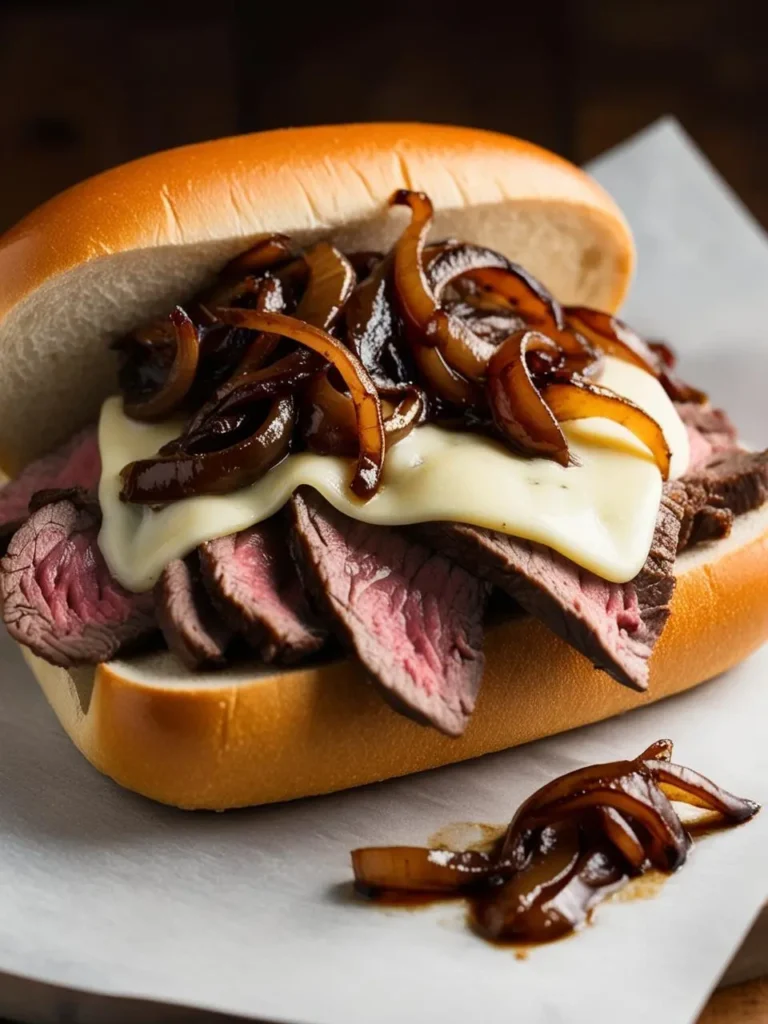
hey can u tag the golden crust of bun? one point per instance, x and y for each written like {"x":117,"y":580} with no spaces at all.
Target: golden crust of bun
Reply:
{"x":213,"y":742}
{"x":104,"y":256}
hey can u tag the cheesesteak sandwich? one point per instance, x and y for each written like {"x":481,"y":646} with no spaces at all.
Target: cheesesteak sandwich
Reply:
{"x":295,"y":413}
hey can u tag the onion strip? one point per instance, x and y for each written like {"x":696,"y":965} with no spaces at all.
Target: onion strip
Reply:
{"x":621,"y":834}
{"x":688,"y":786}
{"x":414,"y":868}
{"x":181,"y":375}
{"x":463,"y":353}
{"x":577,"y":398}
{"x":362,"y":390}
{"x":331,"y":280}
{"x":520,"y":412}
{"x":266,"y":253}
{"x":610,"y":335}
{"x":174,"y":477}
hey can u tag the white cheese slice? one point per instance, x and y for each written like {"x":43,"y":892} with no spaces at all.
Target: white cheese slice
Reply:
{"x":600,"y":513}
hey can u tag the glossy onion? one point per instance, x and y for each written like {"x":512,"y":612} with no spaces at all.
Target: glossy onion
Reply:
{"x":577,"y":398}
{"x":266,"y":253}
{"x":446,"y":352}
{"x":168,"y":398}
{"x":331,"y":280}
{"x":362,"y":390}
{"x":413,"y":868}
{"x":612,"y":336}
{"x":519,"y":411}
{"x":572,"y":843}
{"x":174,"y":477}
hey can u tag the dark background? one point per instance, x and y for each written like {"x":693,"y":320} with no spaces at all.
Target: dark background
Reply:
{"x":86,"y":86}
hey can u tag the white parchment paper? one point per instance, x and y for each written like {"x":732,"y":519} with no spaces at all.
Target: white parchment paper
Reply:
{"x":251,"y":912}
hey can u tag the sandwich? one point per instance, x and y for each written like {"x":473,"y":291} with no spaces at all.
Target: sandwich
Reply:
{"x":329,"y":461}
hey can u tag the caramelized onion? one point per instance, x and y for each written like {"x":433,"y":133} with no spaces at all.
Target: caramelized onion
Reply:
{"x":463,"y":356}
{"x":612,"y":336}
{"x":245,"y":383}
{"x":364,"y":262}
{"x":421,"y":350}
{"x":632,"y":795}
{"x":230,"y":293}
{"x":443,"y":381}
{"x":615,"y":338}
{"x":570,"y":844}
{"x":409,"y":412}
{"x":224,"y":415}
{"x":510,"y":286}
{"x":679,"y":391}
{"x":577,"y":398}
{"x":504,"y":284}
{"x":159,"y":333}
{"x":448,"y":262}
{"x":416,"y":300}
{"x":370,"y":428}
{"x":625,"y":786}
{"x":371,"y":323}
{"x":621,"y":834}
{"x":519,"y":410}
{"x":578,"y":781}
{"x":331,"y":280}
{"x":331,"y":427}
{"x":525,"y":906}
{"x":553,"y":907}
{"x":664,"y":353}
{"x":435,"y":249}
{"x":174,"y":477}
{"x":270,"y":299}
{"x":660,"y":750}
{"x":180,"y":377}
{"x":688,"y":786}
{"x":266,"y":253}
{"x":413,"y":868}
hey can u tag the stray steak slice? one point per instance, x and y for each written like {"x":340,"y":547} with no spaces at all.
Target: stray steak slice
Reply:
{"x":615,"y":625}
{"x":253,"y":582}
{"x":75,"y":464}
{"x":58,"y":596}
{"x":191,"y":626}
{"x":412,"y":617}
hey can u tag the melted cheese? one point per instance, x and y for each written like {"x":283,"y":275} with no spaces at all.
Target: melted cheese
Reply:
{"x":600,"y":513}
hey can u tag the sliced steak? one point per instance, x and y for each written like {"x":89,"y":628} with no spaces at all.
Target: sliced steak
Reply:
{"x":735,"y":479}
{"x":701,"y":519}
{"x":76,"y":495}
{"x":253,"y":582}
{"x":192,"y":628}
{"x":7,"y":531}
{"x":615,"y":625}
{"x":58,"y":596}
{"x":412,"y":617}
{"x":710,"y":431}
{"x":76,"y":464}
{"x":730,"y":483}
{"x":652,"y":589}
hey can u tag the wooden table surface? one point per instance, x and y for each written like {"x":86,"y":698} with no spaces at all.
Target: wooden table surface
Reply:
{"x":739,"y":1004}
